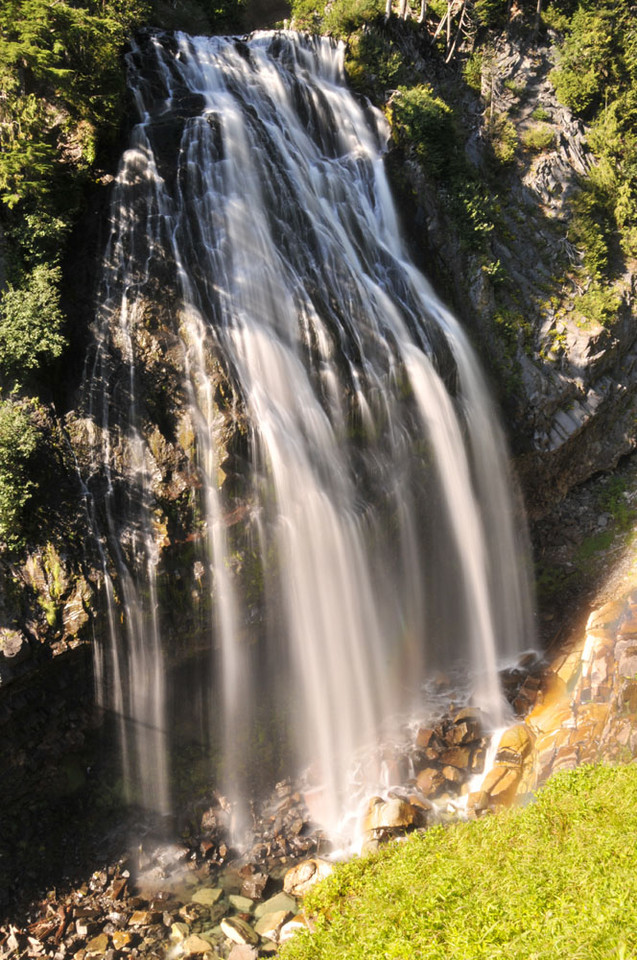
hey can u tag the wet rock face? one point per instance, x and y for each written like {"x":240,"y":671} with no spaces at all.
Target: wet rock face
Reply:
{"x":568,"y":384}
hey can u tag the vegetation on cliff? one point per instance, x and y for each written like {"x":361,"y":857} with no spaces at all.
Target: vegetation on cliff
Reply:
{"x":62,"y":108}
{"x":558,"y":878}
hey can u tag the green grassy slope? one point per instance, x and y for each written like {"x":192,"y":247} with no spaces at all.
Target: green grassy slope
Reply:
{"x":557,"y":879}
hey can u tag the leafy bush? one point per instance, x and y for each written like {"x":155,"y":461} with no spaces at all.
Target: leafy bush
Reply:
{"x":586,"y":58}
{"x":592,"y":225}
{"x":343,"y":17}
{"x":538,"y":138}
{"x":597,"y":78}
{"x":599,"y":304}
{"x":374,"y":64}
{"x":504,"y":138}
{"x":425,"y":122}
{"x":556,"y":879}
{"x":491,"y":13}
{"x":31,"y":321}
{"x":19,"y":442}
{"x":473,"y":71}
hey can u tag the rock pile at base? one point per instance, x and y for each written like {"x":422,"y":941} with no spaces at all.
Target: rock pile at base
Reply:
{"x":188,"y":899}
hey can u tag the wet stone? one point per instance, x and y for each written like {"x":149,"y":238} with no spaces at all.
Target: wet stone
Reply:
{"x":243,"y":951}
{"x":194,"y":946}
{"x":301,"y":877}
{"x":281,"y":901}
{"x":122,"y":939}
{"x":207,"y":896}
{"x":459,"y":757}
{"x":270,"y":925}
{"x":237,"y":930}
{"x":254,"y":886}
{"x":179,"y":930}
{"x":98,"y":945}
{"x":240,"y":904}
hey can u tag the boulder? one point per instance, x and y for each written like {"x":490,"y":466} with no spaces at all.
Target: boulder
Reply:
{"x":423,"y":737}
{"x":514,"y":746}
{"x":281,"y":901}
{"x":98,"y":945}
{"x":122,"y":939}
{"x":466,"y":728}
{"x":240,"y":904}
{"x":498,"y":788}
{"x":254,"y":886}
{"x":179,"y":931}
{"x":291,"y":928}
{"x":270,"y":924}
{"x":301,"y":877}
{"x":392,"y":814}
{"x":430,"y":781}
{"x":237,"y":930}
{"x":459,"y":757}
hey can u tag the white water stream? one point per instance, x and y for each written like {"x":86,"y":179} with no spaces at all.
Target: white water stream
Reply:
{"x":379,"y":495}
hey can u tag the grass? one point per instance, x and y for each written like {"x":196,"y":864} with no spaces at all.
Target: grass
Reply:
{"x":557,"y":879}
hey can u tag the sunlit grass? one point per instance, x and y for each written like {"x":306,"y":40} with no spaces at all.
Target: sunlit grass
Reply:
{"x":554,"y":881}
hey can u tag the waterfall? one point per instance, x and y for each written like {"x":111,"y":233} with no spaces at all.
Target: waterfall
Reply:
{"x":255,"y":255}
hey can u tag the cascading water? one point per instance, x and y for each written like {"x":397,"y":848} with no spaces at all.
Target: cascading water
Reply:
{"x":254,"y":205}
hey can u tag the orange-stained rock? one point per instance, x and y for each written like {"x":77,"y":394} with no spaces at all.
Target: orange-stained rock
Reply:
{"x":569,"y":667}
{"x":459,"y":757}
{"x":515,"y":744}
{"x":452,"y":775}
{"x":392,"y":814}
{"x":593,"y":711}
{"x":121,"y":939}
{"x":565,"y":759}
{"x":423,"y":737}
{"x":500,"y":784}
{"x":429,"y":781}
{"x":606,"y":617}
{"x":547,"y":717}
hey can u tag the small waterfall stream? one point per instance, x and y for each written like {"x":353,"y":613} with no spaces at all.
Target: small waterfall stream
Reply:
{"x":252,"y":204}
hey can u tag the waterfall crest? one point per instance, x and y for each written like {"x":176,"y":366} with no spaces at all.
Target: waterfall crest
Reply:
{"x":253,"y":204}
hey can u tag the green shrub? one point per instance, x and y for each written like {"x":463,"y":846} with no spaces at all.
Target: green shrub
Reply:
{"x":538,"y":138}
{"x":19,"y":442}
{"x":599,"y":304}
{"x":491,"y":13}
{"x":504,"y":138}
{"x":472,"y":71}
{"x":585,"y":59}
{"x":343,"y":17}
{"x":31,"y":321}
{"x":592,"y":226}
{"x":374,"y":64}
{"x":424,"y":122}
{"x":540,"y":114}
